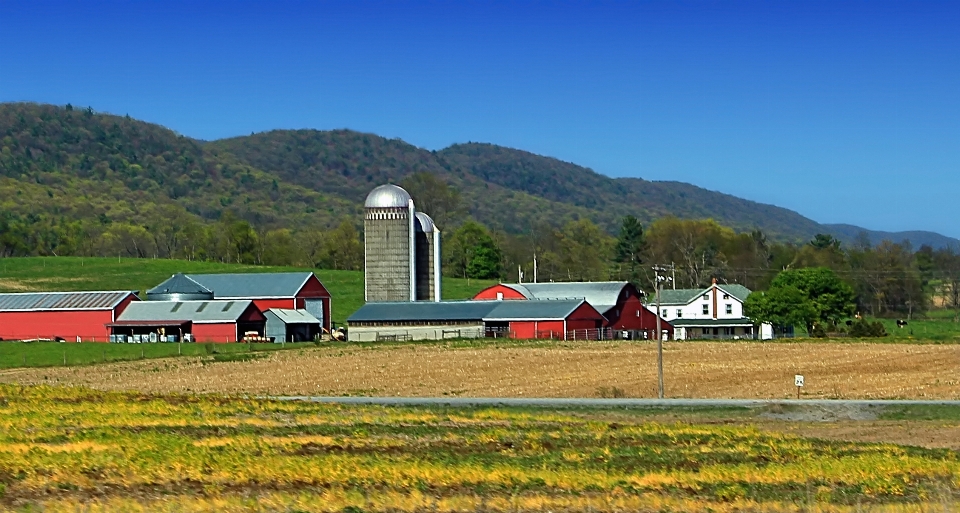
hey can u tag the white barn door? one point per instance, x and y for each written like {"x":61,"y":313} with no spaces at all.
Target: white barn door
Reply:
{"x":314,"y":307}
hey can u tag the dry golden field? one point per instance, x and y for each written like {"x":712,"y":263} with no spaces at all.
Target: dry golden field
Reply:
{"x":582,"y":369}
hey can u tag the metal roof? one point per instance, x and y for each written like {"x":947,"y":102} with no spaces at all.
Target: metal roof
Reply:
{"x":198,"y":312}
{"x":253,"y":285}
{"x":424,"y":310}
{"x":26,"y":301}
{"x":387,"y":196}
{"x":464,"y":310}
{"x":179,"y":284}
{"x":424,"y":223}
{"x":288,"y":316}
{"x":536,"y":309}
{"x":602,"y":295}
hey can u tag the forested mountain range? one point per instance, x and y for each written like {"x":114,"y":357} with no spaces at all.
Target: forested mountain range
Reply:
{"x":72,"y":179}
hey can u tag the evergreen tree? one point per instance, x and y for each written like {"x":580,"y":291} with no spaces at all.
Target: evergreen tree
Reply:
{"x":630,"y":246}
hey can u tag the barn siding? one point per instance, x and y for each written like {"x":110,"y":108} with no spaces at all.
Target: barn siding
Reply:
{"x":88,"y":325}
{"x":218,"y":332}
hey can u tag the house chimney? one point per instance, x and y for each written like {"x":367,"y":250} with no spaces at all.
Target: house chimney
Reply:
{"x":713,"y":286}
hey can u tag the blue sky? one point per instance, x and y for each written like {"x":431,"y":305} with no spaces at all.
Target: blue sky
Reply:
{"x":842,"y":111}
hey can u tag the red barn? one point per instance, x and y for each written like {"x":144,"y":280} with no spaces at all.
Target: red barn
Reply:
{"x":561,"y":319}
{"x":293,"y":291}
{"x":71,"y":316}
{"x":618,"y":301}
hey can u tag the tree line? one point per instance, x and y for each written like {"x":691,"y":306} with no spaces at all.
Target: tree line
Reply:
{"x":887,"y":279}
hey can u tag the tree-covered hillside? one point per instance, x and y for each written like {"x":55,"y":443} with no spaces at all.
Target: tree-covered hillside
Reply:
{"x":74,"y":181}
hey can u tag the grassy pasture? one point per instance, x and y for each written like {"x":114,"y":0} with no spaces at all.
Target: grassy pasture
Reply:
{"x":85,"y":273}
{"x":53,"y":354}
{"x":73,"y":449}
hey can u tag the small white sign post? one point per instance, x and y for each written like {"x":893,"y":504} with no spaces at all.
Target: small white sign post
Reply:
{"x":798,"y":381}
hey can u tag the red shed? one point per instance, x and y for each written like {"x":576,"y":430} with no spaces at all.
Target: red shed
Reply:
{"x":294,"y":291}
{"x":618,"y":301}
{"x":71,"y":316}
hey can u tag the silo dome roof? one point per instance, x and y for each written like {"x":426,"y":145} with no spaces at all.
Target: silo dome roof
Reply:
{"x":424,"y":223}
{"x":387,"y":196}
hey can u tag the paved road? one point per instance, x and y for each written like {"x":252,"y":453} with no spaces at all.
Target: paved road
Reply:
{"x":612,"y":403}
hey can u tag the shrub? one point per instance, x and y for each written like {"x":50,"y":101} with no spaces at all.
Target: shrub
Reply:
{"x":865,"y":328}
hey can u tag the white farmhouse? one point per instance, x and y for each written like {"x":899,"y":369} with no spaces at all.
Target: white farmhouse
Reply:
{"x":713,"y":312}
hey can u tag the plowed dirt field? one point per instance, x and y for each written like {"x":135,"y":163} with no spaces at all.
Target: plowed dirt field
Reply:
{"x":587,"y":369}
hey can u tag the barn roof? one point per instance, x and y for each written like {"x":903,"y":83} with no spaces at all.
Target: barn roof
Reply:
{"x":423,"y":310}
{"x":179,"y":284}
{"x":465,"y":310}
{"x":537,"y":309}
{"x":32,"y":301}
{"x":288,"y":316}
{"x":252,"y":285}
{"x":198,"y":312}
{"x":602,"y":295}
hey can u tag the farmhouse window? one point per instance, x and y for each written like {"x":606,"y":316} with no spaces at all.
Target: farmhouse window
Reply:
{"x":706,"y":309}
{"x":729,"y":308}
{"x":705,"y":331}
{"x":726,"y":296}
{"x":663,"y":313}
{"x":679,"y":312}
{"x":705,"y":297}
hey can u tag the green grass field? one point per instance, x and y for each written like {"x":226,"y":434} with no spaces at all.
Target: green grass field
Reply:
{"x":43,"y":274}
{"x":937,"y":327}
{"x":52,"y":354}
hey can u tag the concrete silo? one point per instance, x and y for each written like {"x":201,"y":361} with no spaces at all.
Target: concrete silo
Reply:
{"x":427,"y":245}
{"x":389,"y":245}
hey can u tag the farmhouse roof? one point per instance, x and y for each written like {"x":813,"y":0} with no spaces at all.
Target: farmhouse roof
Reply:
{"x":465,"y":310}
{"x":198,"y":312}
{"x":26,"y":301}
{"x":602,"y":295}
{"x":678,"y":296}
{"x":738,"y":291}
{"x":252,"y":285}
{"x":670,"y":297}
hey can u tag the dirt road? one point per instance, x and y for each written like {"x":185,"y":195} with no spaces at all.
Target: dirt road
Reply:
{"x":587,"y":369}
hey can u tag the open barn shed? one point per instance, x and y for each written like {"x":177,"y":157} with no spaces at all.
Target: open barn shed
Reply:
{"x":197,"y":321}
{"x":286,"y":325}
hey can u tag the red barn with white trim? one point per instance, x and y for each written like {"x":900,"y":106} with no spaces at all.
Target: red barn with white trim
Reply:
{"x":619,"y":301}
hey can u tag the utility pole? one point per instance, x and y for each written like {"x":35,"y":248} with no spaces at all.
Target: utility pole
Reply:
{"x":661,"y":277}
